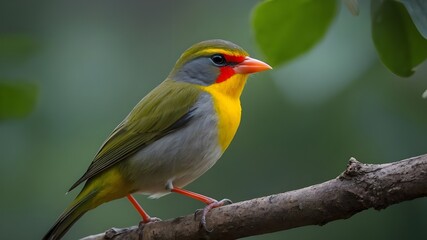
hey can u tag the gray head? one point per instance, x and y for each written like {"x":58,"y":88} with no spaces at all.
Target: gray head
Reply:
{"x":208,"y":62}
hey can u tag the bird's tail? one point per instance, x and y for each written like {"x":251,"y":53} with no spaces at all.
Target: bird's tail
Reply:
{"x":80,"y":205}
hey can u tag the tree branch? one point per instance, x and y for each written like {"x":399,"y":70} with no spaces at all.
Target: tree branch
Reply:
{"x":359,"y":187}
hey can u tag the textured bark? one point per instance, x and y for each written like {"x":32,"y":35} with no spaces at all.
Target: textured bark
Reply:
{"x":359,"y":187}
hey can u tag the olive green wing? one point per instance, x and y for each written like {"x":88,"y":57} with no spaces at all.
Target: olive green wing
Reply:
{"x":165,"y":109}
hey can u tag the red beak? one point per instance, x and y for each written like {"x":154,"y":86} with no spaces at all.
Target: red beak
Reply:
{"x":251,"y":65}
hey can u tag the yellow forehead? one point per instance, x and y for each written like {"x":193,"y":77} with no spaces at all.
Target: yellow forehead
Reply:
{"x":220,"y":51}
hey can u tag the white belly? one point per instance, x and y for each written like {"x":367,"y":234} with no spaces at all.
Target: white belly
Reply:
{"x":179,"y":157}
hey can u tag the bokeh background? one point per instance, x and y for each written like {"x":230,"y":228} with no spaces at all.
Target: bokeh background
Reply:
{"x":93,"y":60}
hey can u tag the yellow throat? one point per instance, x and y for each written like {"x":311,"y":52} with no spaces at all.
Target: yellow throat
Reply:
{"x":226,"y":99}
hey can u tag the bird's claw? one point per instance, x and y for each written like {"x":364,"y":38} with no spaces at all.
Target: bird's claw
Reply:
{"x":206,"y":209}
{"x":151,"y":220}
{"x":226,"y":202}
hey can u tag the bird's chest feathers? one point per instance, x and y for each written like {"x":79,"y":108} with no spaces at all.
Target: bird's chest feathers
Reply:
{"x":226,"y":99}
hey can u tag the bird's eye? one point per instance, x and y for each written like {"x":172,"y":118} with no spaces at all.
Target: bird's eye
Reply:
{"x":218,"y":60}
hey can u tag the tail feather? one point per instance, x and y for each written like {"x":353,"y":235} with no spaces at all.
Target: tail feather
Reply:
{"x":79,"y":207}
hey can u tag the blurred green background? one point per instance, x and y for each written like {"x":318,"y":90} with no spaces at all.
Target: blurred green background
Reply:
{"x":92,"y":61}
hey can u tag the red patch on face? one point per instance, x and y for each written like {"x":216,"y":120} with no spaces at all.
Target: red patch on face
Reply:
{"x":234,"y":59}
{"x":227,"y":71}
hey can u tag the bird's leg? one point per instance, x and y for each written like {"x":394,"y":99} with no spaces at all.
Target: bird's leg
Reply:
{"x":197,"y":196}
{"x":211,"y":203}
{"x":145,"y":217}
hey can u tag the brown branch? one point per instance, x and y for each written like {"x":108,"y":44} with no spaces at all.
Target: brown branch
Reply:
{"x":359,"y":187}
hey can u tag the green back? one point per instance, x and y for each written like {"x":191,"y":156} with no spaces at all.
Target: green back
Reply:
{"x":164,"y":110}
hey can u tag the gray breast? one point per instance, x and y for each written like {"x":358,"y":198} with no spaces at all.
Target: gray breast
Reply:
{"x":179,"y":157}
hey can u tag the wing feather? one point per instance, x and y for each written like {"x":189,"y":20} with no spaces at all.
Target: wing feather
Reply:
{"x":166,"y":109}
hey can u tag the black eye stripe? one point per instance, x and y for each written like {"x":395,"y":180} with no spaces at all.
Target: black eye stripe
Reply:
{"x":218,"y":60}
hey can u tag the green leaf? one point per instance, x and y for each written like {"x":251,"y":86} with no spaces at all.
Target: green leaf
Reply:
{"x":418,"y":11}
{"x":398,"y":43}
{"x":285,"y":29}
{"x":16,"y":46}
{"x":17,"y":99}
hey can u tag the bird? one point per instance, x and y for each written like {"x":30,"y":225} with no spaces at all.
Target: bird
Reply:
{"x":172,"y":136}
